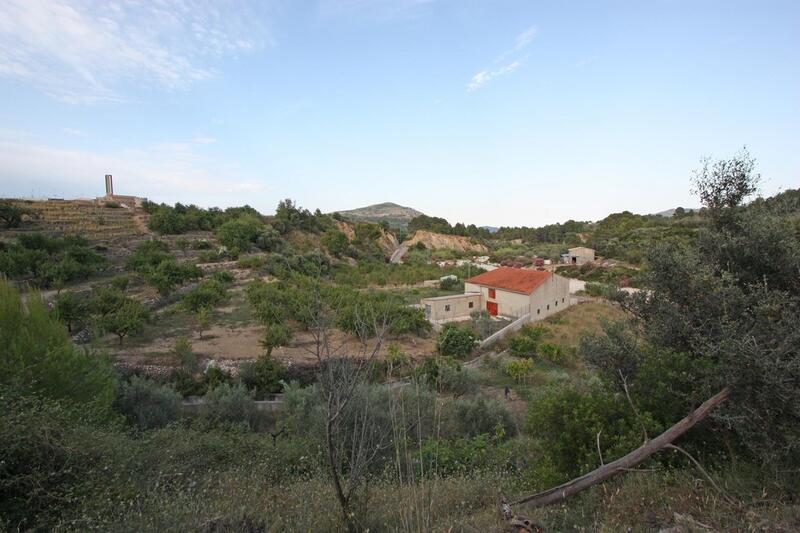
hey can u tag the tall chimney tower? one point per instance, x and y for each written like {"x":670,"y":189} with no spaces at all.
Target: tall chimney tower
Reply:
{"x":109,"y":186}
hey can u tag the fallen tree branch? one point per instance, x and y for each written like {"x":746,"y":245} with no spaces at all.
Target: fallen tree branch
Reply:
{"x":623,"y":464}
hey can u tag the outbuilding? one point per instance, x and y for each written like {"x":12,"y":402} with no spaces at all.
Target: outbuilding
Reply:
{"x":580,"y":255}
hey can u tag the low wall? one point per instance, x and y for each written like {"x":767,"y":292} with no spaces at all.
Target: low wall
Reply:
{"x":503,"y":333}
{"x":193,"y":405}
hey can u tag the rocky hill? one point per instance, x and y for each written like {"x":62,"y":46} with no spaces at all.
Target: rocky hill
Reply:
{"x":440,"y":241}
{"x":397,"y":216}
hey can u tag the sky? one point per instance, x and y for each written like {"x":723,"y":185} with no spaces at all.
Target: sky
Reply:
{"x":487,"y":112}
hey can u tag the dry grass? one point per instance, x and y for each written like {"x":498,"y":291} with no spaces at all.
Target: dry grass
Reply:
{"x":567,"y":327}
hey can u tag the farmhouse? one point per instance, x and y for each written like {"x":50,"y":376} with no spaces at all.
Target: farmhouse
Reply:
{"x":580,"y":255}
{"x":505,"y":291}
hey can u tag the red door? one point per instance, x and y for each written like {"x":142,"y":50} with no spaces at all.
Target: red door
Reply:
{"x":492,"y":308}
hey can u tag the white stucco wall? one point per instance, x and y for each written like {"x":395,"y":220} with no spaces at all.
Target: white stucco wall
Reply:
{"x":510,"y":304}
{"x":550,"y":297}
{"x":446,"y":308}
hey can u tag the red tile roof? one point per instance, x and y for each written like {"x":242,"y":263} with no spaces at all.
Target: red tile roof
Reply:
{"x":511,"y":279}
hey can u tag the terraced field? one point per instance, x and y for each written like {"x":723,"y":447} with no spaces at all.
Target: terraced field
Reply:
{"x":89,"y":218}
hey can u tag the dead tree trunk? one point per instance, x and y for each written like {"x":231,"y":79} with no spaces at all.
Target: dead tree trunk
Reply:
{"x":561,"y":492}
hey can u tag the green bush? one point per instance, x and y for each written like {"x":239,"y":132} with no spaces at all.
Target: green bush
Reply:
{"x":120,"y":282}
{"x":183,"y":352}
{"x":551,"y":352}
{"x":456,"y":341}
{"x":251,"y":261}
{"x":567,"y":420}
{"x":50,"y":261}
{"x":208,"y":294}
{"x":129,"y":318}
{"x":214,"y":377}
{"x":148,"y":255}
{"x":518,"y":369}
{"x":38,"y":356}
{"x":239,"y":234}
{"x":71,"y":309}
{"x":223,"y":276}
{"x":147,"y":404}
{"x":478,"y":415}
{"x":524,"y":344}
{"x":229,"y":405}
{"x":169,"y":274}
{"x":447,"y":375}
{"x":263,"y":376}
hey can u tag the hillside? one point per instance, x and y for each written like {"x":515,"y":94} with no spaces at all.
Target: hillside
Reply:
{"x":439,"y":241}
{"x":397,"y":216}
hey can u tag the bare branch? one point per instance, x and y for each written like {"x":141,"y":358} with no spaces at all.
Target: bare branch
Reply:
{"x":561,"y":492}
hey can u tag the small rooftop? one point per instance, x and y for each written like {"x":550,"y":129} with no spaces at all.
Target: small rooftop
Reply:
{"x":451,"y":297}
{"x":511,"y":279}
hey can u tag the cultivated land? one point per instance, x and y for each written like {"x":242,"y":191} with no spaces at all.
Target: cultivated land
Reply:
{"x":419,"y":429}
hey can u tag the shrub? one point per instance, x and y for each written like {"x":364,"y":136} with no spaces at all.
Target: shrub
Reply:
{"x":275,"y":335}
{"x":183,"y":352}
{"x":223,"y":276}
{"x":451,"y":284}
{"x":567,"y":420}
{"x":455,"y":379}
{"x":147,"y":404}
{"x":519,"y":369}
{"x":522,"y":346}
{"x":149,"y":254}
{"x":120,"y":282}
{"x":208,"y":294}
{"x":170,"y":274}
{"x":71,"y":309}
{"x":38,"y":356}
{"x":478,"y":415}
{"x":239,"y":234}
{"x":551,"y":352}
{"x":395,"y":358}
{"x":251,"y":261}
{"x":227,"y":405}
{"x":11,"y":215}
{"x":127,"y":319}
{"x":214,"y":377}
{"x":456,"y":341}
{"x":50,"y":261}
{"x":263,"y":376}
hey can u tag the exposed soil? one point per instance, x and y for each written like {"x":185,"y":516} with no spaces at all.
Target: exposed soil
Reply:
{"x":242,"y":343}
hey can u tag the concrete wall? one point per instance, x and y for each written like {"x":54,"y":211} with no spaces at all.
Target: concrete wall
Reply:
{"x":447,"y":308}
{"x":510,"y":304}
{"x":581,"y":255}
{"x":550,"y":297}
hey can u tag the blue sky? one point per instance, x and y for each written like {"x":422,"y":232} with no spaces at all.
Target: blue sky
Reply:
{"x":493,"y":113}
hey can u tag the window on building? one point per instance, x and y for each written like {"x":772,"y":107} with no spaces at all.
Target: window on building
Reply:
{"x":446,"y":307}
{"x":556,"y":303}
{"x":492,"y":293}
{"x":539,"y":311}
{"x":471,"y":304}
{"x":548,"y":307}
{"x":562,"y":300}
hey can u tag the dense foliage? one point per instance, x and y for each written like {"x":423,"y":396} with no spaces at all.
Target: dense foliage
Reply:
{"x":50,"y":261}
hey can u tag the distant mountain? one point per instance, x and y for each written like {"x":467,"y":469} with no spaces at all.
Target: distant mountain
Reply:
{"x":491,"y":229}
{"x":671,"y":212}
{"x":397,"y":216}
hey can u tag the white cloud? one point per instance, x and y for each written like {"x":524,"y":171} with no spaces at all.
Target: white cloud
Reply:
{"x":521,"y":42}
{"x":485,"y":76}
{"x":525,"y":38}
{"x":83,"y":51}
